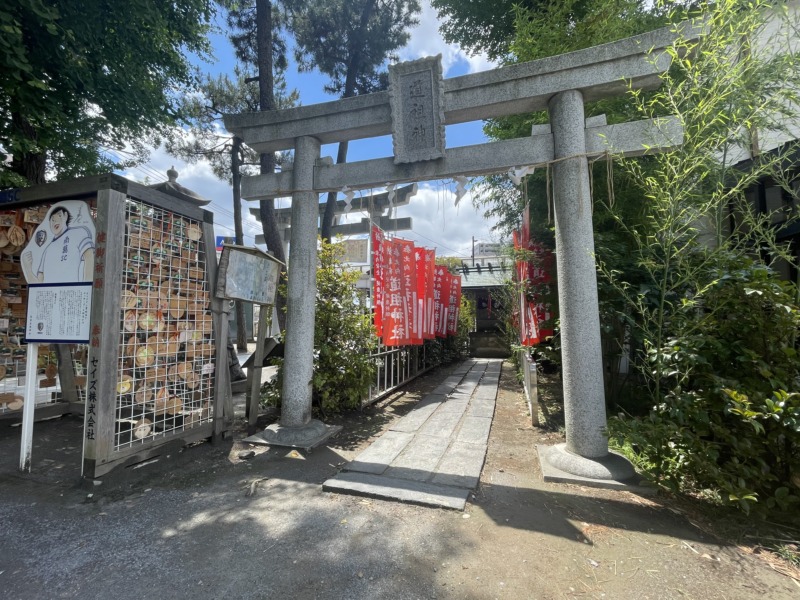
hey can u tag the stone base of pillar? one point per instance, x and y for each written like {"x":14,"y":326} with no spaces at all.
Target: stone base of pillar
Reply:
{"x":310,"y":435}
{"x":610,"y":471}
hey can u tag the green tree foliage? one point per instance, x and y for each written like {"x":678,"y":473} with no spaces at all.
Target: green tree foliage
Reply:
{"x":351,"y":42}
{"x":242,"y":20}
{"x":80,"y":76}
{"x":725,"y":424}
{"x":716,"y":329}
{"x":205,"y":138}
{"x":548,"y":28}
{"x":481,"y":26}
{"x":344,"y":338}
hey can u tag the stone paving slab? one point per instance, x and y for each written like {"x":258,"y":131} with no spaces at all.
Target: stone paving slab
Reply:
{"x":455,"y":404}
{"x":444,"y":389}
{"x":415,"y":419}
{"x":377,"y":457}
{"x":428,"y":399}
{"x":442,"y":423}
{"x":485,"y":392}
{"x":465,"y":389}
{"x":419,"y":459}
{"x":461,"y":466}
{"x":475,"y":430}
{"x":387,"y":488}
{"x":433,"y":456}
{"x":481,"y":408}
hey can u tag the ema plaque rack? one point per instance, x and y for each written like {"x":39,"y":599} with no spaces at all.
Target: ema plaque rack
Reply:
{"x":147,"y":376}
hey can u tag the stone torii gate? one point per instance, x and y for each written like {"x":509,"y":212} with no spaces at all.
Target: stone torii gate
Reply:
{"x":415,"y":110}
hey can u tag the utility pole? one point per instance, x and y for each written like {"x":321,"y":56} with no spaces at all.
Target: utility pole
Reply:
{"x":473,"y":250}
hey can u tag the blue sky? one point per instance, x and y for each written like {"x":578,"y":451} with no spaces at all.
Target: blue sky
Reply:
{"x":436,"y":221}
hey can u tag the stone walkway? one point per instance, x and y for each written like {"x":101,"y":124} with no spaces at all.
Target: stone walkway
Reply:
{"x":433,"y":456}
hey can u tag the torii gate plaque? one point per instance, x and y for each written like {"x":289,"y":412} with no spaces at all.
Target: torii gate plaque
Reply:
{"x":560,"y":84}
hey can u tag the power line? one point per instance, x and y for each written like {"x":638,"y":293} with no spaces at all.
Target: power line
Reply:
{"x":439,"y":244}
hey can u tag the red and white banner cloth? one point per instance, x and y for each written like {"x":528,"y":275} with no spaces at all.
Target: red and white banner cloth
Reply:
{"x":534,"y":277}
{"x":414,"y":300}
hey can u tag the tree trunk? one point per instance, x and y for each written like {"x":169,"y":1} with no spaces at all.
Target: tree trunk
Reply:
{"x":266,"y":98}
{"x":236,"y":148}
{"x":30,"y":165}
{"x":353,"y":68}
{"x":330,"y":205}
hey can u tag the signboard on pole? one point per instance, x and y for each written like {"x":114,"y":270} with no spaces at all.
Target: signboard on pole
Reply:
{"x":247,"y":274}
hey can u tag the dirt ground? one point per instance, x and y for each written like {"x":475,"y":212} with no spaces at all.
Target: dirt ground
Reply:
{"x":204,"y":523}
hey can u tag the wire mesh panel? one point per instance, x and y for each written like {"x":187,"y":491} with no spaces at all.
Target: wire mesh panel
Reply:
{"x":165,"y":379}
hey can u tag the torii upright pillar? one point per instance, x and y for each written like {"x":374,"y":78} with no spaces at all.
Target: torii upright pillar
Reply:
{"x":585,"y":453}
{"x":296,"y":428}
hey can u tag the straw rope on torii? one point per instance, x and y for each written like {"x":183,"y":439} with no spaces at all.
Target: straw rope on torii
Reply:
{"x":560,"y":85}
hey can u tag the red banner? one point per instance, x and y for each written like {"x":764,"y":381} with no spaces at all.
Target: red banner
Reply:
{"x":377,"y":278}
{"x":454,"y":305}
{"x":406,"y":309}
{"x":420,"y":256}
{"x":409,"y":272}
{"x":529,"y":324}
{"x":395,"y":323}
{"x":534,"y":276}
{"x":541,"y":269}
{"x":441,"y":288}
{"x":429,"y":332}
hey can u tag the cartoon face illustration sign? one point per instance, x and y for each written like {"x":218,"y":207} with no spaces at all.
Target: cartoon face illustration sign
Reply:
{"x":62,"y":248}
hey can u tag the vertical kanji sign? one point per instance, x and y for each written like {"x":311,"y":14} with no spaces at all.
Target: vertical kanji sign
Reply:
{"x":453,"y":304}
{"x":409,"y":274}
{"x":395,"y":326}
{"x":420,"y":254}
{"x":429,"y":332}
{"x":441,"y":289}
{"x":378,"y":268}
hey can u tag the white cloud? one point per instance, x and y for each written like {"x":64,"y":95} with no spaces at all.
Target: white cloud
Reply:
{"x":427,"y":41}
{"x":438,"y":223}
{"x":199,"y":178}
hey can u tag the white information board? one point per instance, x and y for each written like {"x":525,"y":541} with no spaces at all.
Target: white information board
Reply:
{"x":59,"y":313}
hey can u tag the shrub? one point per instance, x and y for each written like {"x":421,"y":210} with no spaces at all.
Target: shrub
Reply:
{"x":727,"y":420}
{"x":344,"y":339}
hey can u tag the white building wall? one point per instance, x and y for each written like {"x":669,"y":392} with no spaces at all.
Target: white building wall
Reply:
{"x":781,"y":34}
